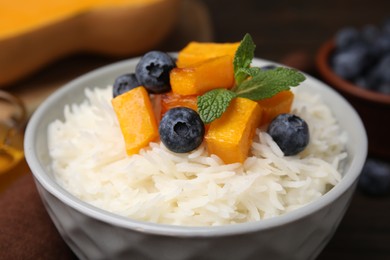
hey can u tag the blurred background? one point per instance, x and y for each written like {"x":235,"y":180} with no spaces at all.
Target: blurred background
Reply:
{"x":284,"y":31}
{"x":281,"y":28}
{"x":38,"y":58}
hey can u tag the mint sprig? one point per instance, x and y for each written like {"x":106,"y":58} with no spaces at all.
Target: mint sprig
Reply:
{"x":243,"y":58}
{"x":251,"y":82}
{"x":249,"y":72}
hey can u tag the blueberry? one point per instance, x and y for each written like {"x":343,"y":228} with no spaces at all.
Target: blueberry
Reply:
{"x":152,"y":71}
{"x":346,"y":36}
{"x":379,"y":74}
{"x":268,"y":67}
{"x":382,"y":44}
{"x":383,"y":68}
{"x":384,"y":88}
{"x":375,"y":177}
{"x":290,"y":132}
{"x":124,"y":83}
{"x":370,"y":33}
{"x":349,"y":63}
{"x":362,"y":82}
{"x":181,"y":130}
{"x":386,"y":26}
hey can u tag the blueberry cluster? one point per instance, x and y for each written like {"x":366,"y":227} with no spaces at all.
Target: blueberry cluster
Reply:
{"x":362,"y":56}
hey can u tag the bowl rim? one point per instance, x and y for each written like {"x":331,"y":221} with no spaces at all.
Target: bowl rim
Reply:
{"x":322,"y":63}
{"x":49,"y":184}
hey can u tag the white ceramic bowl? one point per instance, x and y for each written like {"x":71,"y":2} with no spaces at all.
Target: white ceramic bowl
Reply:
{"x":93,"y":233}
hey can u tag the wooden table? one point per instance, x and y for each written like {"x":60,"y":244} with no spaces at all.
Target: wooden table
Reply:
{"x":286,"y":33}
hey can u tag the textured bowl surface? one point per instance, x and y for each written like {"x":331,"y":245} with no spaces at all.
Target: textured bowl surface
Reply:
{"x":371,"y":106}
{"x":93,"y":233}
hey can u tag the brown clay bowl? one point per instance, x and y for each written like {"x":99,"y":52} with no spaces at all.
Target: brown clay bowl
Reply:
{"x":373,"y":107}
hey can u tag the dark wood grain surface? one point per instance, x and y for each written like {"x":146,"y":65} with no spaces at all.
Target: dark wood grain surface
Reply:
{"x":292,"y":32}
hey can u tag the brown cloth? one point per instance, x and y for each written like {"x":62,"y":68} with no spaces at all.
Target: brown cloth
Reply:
{"x":26,"y":230}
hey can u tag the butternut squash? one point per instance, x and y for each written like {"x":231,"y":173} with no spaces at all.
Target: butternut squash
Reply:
{"x":278,"y":104}
{"x":170,"y":100}
{"x":230,"y":136}
{"x":204,"y":76}
{"x":136,"y":118}
{"x":196,"y":52}
{"x":35,"y":33}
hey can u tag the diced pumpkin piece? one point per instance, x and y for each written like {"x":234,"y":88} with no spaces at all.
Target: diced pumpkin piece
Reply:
{"x":230,"y":136}
{"x":196,"y":52}
{"x":170,"y":100}
{"x":278,"y":104}
{"x":136,"y":119}
{"x":202,"y":77}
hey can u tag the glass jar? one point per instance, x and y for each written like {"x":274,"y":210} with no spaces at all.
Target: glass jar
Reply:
{"x":12,"y":124}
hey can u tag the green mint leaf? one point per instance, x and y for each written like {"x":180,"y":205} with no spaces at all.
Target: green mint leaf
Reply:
{"x":243,"y":58}
{"x":212,"y":104}
{"x":249,"y":72}
{"x":268,"y":83}
{"x":252,"y":72}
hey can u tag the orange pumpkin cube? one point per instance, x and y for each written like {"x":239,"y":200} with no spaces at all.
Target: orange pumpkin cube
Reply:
{"x":230,"y":136}
{"x":170,"y":100}
{"x":276,"y":105}
{"x":204,"y":76}
{"x":136,"y":119}
{"x":196,"y":52}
